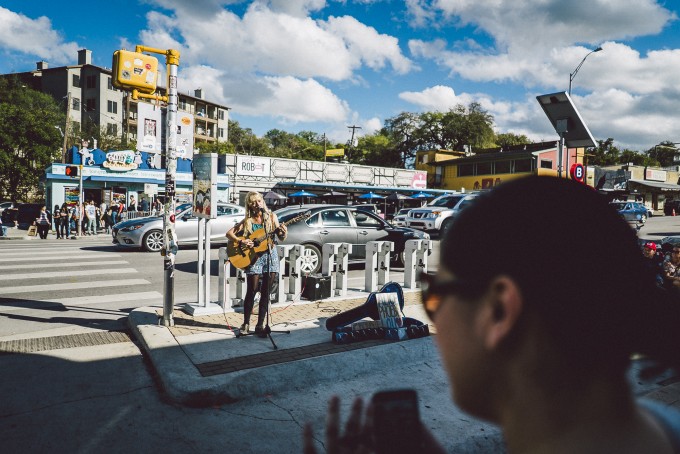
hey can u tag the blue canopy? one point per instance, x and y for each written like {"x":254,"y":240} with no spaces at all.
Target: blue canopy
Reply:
{"x":302,"y":194}
{"x":371,"y":195}
{"x":422,"y":195}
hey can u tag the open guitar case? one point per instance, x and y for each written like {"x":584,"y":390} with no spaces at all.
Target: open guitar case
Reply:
{"x":341,"y":324}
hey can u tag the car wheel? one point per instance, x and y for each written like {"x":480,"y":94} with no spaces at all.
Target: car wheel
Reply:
{"x":446,"y":225}
{"x":311,"y":259}
{"x":153,"y":241}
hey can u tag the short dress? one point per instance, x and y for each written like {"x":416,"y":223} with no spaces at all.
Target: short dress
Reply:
{"x":262,"y":264}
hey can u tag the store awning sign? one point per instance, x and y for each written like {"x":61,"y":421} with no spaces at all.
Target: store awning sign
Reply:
{"x":122,"y":161}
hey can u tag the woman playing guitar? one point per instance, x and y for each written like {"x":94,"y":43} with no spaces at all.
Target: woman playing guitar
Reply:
{"x":264,"y":269}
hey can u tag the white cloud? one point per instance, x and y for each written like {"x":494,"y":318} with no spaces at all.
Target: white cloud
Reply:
{"x":19,"y":33}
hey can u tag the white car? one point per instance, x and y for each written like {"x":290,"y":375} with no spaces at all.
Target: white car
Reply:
{"x":399,"y":220}
{"x":147,"y":232}
{"x":438,"y":214}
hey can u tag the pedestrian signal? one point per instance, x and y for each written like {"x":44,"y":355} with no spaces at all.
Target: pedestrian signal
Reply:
{"x":72,"y":171}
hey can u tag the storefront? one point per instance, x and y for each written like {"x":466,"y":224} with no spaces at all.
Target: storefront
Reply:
{"x":104,"y":185}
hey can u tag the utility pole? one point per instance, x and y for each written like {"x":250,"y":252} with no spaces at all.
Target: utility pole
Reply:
{"x":68,"y":115}
{"x":324,"y":147}
{"x":351,"y":141}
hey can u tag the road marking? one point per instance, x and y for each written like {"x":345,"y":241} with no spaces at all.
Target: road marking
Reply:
{"x":123,"y":283}
{"x":13,"y":305}
{"x":63,"y":265}
{"x":60,"y":252}
{"x":88,"y":255}
{"x":79,"y":273}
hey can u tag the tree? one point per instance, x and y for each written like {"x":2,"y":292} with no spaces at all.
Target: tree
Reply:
{"x":604,"y":154}
{"x":663,"y":154}
{"x":508,"y":139}
{"x":29,"y":139}
{"x":377,"y":150}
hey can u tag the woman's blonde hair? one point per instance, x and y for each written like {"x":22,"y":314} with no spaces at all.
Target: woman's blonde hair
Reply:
{"x":251,"y":197}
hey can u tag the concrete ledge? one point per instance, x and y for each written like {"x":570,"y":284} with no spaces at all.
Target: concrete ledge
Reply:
{"x":183,"y":383}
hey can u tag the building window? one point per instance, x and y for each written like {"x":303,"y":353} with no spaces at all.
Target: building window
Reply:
{"x":112,"y":129}
{"x":182,"y":104}
{"x":220,"y":114}
{"x":220,"y":133}
{"x":112,"y":107}
{"x":75,"y":104}
{"x":546,"y":164}
{"x":465,"y":170}
{"x":110,"y":84}
{"x":90,"y":105}
{"x":75,"y":80}
{"x":91,"y":82}
{"x":502,"y":167}
{"x":522,"y":165}
{"x":483,"y":168}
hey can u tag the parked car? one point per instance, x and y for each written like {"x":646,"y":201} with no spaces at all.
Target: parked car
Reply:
{"x":5,"y":205}
{"x":147,"y":232}
{"x":439,"y":213}
{"x":27,"y":213}
{"x":631,"y":211}
{"x":342,"y":224}
{"x":399,"y":220}
{"x":669,"y":205}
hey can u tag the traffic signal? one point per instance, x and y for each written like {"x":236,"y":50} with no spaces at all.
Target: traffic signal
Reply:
{"x":72,"y":171}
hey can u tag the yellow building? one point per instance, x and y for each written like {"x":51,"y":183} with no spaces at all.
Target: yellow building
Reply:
{"x":484,"y":169}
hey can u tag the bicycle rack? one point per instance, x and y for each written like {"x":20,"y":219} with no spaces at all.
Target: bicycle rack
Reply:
{"x":415,"y":261}
{"x":377,"y":264}
{"x":294,"y":276}
{"x":283,"y":251}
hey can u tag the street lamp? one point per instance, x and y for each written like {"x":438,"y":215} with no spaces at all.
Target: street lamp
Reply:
{"x":656,"y":154}
{"x":572,"y":75}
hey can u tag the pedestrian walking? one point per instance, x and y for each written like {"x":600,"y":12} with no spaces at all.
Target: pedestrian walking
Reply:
{"x":108,"y":220}
{"x":64,"y":226}
{"x":91,"y":217}
{"x":56,"y":220}
{"x":43,"y":222}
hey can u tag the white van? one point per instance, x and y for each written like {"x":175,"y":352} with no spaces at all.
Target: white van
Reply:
{"x":438,"y":214}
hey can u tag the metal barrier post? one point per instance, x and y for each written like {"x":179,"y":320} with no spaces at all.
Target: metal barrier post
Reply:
{"x":284,"y":252}
{"x":223,"y":273}
{"x":342,"y":263}
{"x":415,"y":261}
{"x":384,"y":262}
{"x":329,"y":254}
{"x":371,"y":271}
{"x":294,"y":278}
{"x":239,"y":280}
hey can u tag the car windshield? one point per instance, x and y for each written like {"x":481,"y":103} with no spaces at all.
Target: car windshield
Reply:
{"x":448,"y":202}
{"x":618,"y":205}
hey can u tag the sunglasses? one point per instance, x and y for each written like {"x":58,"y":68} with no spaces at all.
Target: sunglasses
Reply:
{"x":432,"y":291}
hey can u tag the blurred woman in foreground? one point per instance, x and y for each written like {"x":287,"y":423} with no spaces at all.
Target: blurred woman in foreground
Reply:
{"x":540,"y":301}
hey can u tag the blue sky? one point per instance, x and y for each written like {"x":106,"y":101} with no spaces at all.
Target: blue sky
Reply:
{"x":322,"y":65}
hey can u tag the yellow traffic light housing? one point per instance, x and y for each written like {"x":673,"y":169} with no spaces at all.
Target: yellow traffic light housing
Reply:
{"x":135,"y":70}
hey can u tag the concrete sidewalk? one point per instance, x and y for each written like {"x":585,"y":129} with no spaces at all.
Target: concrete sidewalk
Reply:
{"x":201,"y":362}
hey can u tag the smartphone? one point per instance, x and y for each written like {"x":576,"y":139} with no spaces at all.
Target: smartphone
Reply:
{"x":396,"y":421}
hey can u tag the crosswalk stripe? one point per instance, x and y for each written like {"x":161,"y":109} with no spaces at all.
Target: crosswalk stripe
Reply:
{"x":79,"y":273}
{"x":60,"y":252}
{"x":62,"y":265}
{"x":123,"y":283}
{"x":21,"y":305}
{"x":89,"y":255}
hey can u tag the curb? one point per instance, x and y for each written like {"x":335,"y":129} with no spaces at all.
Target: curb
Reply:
{"x":184,"y":384}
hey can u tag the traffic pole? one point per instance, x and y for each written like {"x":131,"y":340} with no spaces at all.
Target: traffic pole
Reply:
{"x":169,"y":234}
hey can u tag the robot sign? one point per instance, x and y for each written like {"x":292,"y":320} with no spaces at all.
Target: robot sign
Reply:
{"x":578,"y":172}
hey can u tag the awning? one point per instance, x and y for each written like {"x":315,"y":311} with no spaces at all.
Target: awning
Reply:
{"x":344,"y":187}
{"x":660,"y":185}
{"x":122,"y":180}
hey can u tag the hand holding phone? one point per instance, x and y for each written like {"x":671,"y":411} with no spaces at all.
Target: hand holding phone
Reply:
{"x":396,"y":422}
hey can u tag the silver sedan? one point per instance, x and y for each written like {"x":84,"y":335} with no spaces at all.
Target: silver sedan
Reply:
{"x":147,"y":233}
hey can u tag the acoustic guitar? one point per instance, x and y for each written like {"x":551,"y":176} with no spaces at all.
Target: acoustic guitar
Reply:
{"x":242,"y":256}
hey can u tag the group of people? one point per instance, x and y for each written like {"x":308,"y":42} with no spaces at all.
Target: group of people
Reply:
{"x":664,"y":263}
{"x":538,"y":313}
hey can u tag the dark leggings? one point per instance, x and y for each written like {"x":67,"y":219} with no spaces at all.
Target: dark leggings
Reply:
{"x":253,"y":286}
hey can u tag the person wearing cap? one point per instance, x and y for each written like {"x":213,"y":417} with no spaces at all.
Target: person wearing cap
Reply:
{"x":654,"y":262}
{"x":671,"y":268}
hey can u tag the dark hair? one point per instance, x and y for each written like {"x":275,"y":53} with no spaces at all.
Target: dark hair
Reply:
{"x":578,"y":265}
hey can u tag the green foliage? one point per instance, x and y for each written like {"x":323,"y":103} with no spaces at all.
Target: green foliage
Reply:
{"x":508,"y":139}
{"x":29,"y":139}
